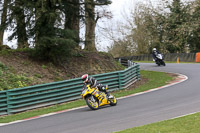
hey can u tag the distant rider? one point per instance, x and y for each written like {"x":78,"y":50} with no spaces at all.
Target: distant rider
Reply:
{"x":93,"y":83}
{"x":155,"y":53}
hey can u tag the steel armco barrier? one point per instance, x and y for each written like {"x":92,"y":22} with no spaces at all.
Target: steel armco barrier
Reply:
{"x":23,"y":99}
{"x":125,"y":62}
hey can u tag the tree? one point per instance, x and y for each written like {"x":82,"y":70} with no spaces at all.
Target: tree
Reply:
{"x":172,"y":28}
{"x":72,"y":16}
{"x":194,"y":39}
{"x":3,"y":21}
{"x":90,"y":25}
{"x":52,"y":24}
{"x":145,"y":30}
{"x":52,"y":43}
{"x":178,"y":27}
{"x":91,"y":19}
{"x":122,"y":47}
{"x":15,"y":18}
{"x":20,"y":32}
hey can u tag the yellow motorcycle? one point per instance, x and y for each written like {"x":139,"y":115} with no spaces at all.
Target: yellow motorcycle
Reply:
{"x":95,"y":98}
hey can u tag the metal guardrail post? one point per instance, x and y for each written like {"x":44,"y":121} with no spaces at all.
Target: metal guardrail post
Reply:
{"x":138,"y":72}
{"x":125,"y":62}
{"x":119,"y":80}
{"x":7,"y":95}
{"x":129,"y":64}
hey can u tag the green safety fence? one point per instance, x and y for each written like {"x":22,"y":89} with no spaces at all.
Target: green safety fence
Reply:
{"x":3,"y":103}
{"x":23,"y":99}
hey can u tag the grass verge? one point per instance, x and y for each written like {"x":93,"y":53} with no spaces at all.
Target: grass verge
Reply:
{"x":165,"y":62}
{"x":186,"y":124}
{"x":155,"y":79}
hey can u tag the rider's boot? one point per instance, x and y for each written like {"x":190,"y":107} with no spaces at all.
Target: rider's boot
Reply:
{"x":109,"y":95}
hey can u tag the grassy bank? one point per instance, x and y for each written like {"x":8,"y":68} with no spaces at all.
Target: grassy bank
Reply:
{"x":155,"y":79}
{"x":186,"y":124}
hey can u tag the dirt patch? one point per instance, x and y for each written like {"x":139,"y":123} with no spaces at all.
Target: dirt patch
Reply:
{"x":140,"y":82}
{"x":91,"y":63}
{"x":173,"y":75}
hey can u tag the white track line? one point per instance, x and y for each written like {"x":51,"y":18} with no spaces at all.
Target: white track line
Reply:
{"x":178,"y":80}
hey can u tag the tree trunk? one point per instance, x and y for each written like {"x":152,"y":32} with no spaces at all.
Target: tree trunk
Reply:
{"x":3,"y":21}
{"x":21,"y":32}
{"x":72,"y":19}
{"x":21,"y":27}
{"x":90,"y":25}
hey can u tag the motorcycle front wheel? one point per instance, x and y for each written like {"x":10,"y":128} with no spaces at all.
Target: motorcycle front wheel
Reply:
{"x":92,"y":103}
{"x":113,"y":101}
{"x":164,"y":63}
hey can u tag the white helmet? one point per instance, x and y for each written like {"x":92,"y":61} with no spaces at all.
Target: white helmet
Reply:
{"x":154,"y":49}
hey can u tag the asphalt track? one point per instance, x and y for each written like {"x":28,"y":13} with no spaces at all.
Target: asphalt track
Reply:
{"x":170,"y":102}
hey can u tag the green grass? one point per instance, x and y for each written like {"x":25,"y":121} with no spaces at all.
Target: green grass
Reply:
{"x":165,"y":62}
{"x":186,"y":124}
{"x":155,"y":79}
{"x":41,"y":111}
{"x":9,"y":52}
{"x":10,"y":80}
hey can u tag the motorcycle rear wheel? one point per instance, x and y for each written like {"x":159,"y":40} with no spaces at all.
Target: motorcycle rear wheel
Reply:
{"x":94,"y":105}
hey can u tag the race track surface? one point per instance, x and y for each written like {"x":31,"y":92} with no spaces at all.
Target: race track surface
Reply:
{"x":163,"y":104}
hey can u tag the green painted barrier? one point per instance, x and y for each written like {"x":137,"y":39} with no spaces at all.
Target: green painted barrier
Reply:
{"x":23,"y":99}
{"x":3,"y":103}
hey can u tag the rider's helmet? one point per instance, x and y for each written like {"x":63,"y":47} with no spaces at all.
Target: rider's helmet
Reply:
{"x":85,"y":78}
{"x":154,"y":49}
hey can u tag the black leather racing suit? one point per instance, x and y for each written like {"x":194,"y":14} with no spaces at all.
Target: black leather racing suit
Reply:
{"x":93,"y":83}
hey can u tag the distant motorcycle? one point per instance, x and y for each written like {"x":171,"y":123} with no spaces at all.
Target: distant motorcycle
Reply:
{"x":159,"y":60}
{"x":95,"y":98}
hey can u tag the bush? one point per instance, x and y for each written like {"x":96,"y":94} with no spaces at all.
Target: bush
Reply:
{"x":56,"y":48}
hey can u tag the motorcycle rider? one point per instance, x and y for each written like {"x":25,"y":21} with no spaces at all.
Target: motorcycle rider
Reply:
{"x":93,"y":83}
{"x":154,"y":53}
